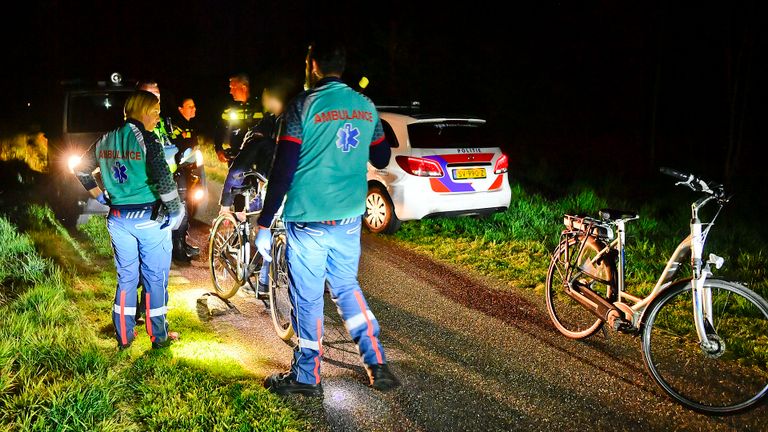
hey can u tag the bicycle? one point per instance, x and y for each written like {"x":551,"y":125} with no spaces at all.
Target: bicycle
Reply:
{"x":696,"y":332}
{"x":233,"y":260}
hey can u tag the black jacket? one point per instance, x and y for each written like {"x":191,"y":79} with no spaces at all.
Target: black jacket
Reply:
{"x":235,"y":122}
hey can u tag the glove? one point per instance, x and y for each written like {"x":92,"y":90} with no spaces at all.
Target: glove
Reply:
{"x":102,"y":199}
{"x":174,"y":219}
{"x":264,"y":243}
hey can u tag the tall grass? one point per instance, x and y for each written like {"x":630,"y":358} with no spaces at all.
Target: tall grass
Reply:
{"x":31,"y":148}
{"x":215,"y":170}
{"x":97,"y":236}
{"x":60,"y":370}
{"x":515,"y":245}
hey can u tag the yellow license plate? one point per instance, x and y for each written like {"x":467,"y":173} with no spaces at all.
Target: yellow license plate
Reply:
{"x":473,"y":173}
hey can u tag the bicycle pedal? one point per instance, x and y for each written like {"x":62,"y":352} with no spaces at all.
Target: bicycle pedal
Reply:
{"x":621,"y":325}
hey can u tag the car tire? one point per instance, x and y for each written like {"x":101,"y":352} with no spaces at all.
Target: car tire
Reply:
{"x":380,"y":217}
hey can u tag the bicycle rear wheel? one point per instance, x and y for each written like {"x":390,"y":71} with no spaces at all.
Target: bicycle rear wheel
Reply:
{"x":569,"y":317}
{"x":278,"y":289}
{"x":224,"y":256}
{"x":730,"y":379}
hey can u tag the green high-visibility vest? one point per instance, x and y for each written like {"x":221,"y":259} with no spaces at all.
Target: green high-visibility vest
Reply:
{"x":121,"y":155}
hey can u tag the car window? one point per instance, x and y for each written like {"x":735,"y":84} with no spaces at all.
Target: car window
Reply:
{"x":448,"y":134}
{"x":95,"y":112}
{"x":389,"y":134}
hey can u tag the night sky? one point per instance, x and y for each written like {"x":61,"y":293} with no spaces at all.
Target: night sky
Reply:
{"x":559,"y":81}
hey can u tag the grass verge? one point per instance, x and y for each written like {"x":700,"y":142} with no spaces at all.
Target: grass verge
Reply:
{"x":515,"y":245}
{"x":59,"y":367}
{"x":214,"y":169}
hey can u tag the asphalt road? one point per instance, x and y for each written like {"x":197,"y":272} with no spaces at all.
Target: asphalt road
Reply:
{"x":472,"y":354}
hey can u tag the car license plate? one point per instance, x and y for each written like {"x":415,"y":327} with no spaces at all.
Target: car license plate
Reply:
{"x":470,"y":173}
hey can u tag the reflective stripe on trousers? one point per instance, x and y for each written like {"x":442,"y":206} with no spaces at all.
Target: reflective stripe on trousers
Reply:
{"x":317,"y":252}
{"x":142,"y":250}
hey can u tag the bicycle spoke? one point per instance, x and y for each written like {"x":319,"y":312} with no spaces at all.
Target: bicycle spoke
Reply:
{"x":725,"y":377}
{"x":722,"y":312}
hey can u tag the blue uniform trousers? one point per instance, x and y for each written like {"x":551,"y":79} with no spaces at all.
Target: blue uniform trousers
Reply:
{"x":320,"y":251}
{"x":142,"y":250}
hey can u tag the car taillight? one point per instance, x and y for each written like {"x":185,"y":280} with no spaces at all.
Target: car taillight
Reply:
{"x":419,"y":167}
{"x":502,"y":164}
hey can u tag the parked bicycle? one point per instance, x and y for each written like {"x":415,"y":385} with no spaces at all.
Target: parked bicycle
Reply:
{"x":698,"y":333}
{"x":235,"y":262}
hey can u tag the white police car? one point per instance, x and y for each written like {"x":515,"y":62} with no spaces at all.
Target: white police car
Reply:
{"x":440,"y":166}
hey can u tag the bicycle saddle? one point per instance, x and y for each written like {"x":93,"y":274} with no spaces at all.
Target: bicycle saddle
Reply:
{"x":613,"y":214}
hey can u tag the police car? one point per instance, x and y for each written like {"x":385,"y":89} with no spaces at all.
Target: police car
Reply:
{"x":440,"y":166}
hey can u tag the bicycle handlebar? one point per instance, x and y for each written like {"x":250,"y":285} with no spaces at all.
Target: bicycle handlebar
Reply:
{"x":252,"y":173}
{"x":674,"y":173}
{"x":694,"y":182}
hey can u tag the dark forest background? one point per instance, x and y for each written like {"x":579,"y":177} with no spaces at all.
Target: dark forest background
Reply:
{"x":571,"y":90}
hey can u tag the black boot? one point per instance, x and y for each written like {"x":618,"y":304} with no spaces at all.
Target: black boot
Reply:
{"x":190,"y":250}
{"x":178,"y":251}
{"x":285,"y":384}
{"x":381,"y":378}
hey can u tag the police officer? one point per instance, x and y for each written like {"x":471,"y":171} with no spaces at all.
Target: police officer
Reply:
{"x":331,"y":132}
{"x":257,"y":152}
{"x":144,"y":207}
{"x":184,"y":132}
{"x":237,"y":119}
{"x":184,"y":135}
{"x":171,"y":151}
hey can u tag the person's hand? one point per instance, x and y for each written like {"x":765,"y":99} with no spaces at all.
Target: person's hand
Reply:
{"x":102,"y":199}
{"x":222,"y":156}
{"x":264,"y":243}
{"x":174,"y":219}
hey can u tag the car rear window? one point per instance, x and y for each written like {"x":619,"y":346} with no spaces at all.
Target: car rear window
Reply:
{"x":448,"y":134}
{"x":95,"y":112}
{"x":389,"y":134}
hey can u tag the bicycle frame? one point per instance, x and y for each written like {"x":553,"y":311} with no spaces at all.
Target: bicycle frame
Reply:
{"x":692,"y":245}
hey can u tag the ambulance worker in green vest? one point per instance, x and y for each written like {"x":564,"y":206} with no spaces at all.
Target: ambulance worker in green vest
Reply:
{"x":331,"y":133}
{"x":144,"y":208}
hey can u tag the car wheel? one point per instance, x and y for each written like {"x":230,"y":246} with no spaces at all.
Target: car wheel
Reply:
{"x":380,"y":214}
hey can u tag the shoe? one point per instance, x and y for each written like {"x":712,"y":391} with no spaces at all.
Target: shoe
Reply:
{"x":181,"y":256}
{"x":122,"y":347}
{"x":381,"y":378}
{"x":263,"y":292}
{"x":285,"y":384}
{"x":190,"y":250}
{"x":140,"y":320}
{"x":172,"y":337}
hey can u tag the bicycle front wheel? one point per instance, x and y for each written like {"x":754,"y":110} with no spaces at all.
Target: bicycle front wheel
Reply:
{"x":224,"y":256}
{"x":730,"y":378}
{"x":279,"y":299}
